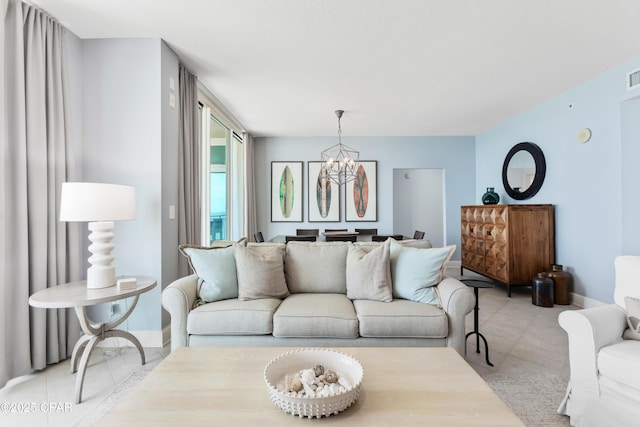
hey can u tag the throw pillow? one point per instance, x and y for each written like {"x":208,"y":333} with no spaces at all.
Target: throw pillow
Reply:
{"x":368,"y":275}
{"x":260,"y":272}
{"x":633,"y":318}
{"x":415,"y":272}
{"x":216,"y":270}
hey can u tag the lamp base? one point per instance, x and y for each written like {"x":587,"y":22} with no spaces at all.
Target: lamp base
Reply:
{"x":102,"y":272}
{"x":99,"y":279}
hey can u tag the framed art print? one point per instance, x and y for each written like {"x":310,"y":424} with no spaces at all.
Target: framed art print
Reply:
{"x":361,"y":201}
{"x":323,"y":195}
{"x":286,"y":191}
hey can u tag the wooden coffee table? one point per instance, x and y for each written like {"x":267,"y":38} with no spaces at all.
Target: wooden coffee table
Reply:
{"x":225,"y":386}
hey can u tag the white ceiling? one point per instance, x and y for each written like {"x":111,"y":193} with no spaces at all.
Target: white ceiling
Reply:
{"x":397,"y":67}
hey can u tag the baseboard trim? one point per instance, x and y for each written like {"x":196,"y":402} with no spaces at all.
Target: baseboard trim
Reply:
{"x":581,"y":301}
{"x":146,"y":338}
{"x":453,"y":268}
{"x":585,"y":302}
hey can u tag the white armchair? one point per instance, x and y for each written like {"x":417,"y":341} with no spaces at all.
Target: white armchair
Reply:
{"x":604,"y":386}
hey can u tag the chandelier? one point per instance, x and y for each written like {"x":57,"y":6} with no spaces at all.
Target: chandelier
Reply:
{"x":340,"y":162}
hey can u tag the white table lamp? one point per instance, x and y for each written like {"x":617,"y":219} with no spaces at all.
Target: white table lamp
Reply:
{"x":99,"y":205}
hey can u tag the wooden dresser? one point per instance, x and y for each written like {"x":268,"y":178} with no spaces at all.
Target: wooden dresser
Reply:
{"x":508,"y":243}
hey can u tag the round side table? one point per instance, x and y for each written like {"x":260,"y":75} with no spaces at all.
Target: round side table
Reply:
{"x":76,"y":295}
{"x":476,"y":284}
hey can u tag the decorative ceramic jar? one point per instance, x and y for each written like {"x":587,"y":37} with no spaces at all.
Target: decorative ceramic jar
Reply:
{"x":542,"y":290}
{"x":490,"y":197}
{"x":562,"y":284}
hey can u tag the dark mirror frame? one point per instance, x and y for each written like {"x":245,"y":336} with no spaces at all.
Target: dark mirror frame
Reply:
{"x":541,"y":170}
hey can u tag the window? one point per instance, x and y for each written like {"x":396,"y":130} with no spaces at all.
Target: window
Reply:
{"x":222,"y":183}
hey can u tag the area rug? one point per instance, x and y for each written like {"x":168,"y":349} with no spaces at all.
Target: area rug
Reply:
{"x":112,"y":398}
{"x":534,"y":398}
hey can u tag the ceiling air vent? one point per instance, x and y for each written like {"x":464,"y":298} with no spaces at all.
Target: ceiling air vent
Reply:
{"x":633,"y":79}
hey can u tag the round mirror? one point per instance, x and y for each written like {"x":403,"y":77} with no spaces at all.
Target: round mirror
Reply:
{"x":523,"y":171}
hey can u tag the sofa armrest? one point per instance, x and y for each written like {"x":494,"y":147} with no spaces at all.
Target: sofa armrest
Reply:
{"x":457,"y":301}
{"x":589,"y":330}
{"x":178,"y":299}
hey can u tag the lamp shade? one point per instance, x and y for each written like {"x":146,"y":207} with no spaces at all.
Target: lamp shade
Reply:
{"x":89,"y":202}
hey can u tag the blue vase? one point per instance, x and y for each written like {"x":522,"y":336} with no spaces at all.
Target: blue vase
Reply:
{"x":490,"y":197}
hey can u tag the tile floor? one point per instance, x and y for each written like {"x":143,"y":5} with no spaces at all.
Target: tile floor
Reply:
{"x":521,"y":337}
{"x":45,"y":398}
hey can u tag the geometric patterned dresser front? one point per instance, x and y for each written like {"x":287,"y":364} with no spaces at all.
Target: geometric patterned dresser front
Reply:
{"x":508,"y":243}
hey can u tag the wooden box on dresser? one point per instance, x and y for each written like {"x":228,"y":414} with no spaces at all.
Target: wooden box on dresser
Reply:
{"x":508,"y":243}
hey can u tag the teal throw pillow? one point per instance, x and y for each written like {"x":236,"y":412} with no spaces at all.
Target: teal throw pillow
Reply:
{"x":415,"y":272}
{"x":216,"y":271}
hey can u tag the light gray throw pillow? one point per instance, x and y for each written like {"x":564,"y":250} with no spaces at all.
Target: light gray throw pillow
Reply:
{"x":633,"y":318}
{"x":260,"y":272}
{"x":368,"y":273}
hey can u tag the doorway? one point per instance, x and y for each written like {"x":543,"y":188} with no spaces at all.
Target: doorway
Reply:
{"x":418,"y":203}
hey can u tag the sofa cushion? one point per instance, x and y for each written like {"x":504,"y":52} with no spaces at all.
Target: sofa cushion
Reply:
{"x":415,"y":272}
{"x":620,"y":362}
{"x":368,"y":274}
{"x":412,"y":243}
{"x":318,"y":267}
{"x":260,"y":272}
{"x":400,"y":319}
{"x":233,"y":317}
{"x":316,"y":315}
{"x":216,"y":270}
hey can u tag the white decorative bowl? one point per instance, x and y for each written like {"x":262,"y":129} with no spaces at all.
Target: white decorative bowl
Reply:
{"x":293,"y":361}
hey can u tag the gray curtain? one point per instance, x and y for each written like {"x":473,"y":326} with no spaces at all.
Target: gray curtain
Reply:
{"x":189,"y":209}
{"x":36,"y":250}
{"x":250,"y":216}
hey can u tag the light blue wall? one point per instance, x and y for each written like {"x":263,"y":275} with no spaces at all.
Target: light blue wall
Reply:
{"x":583,"y":180}
{"x":630,"y":121}
{"x":456,"y":155}
{"x":130,"y":136}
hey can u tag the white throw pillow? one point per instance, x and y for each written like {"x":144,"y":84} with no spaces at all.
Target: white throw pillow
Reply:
{"x":415,"y":272}
{"x":216,"y":270}
{"x":368,"y":274}
{"x":260,"y":272}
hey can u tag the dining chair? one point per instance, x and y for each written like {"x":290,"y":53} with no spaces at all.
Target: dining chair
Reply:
{"x":382,"y":238}
{"x":258,"y":237}
{"x":300,"y":238}
{"x":307,"y":232}
{"x":366,"y":231}
{"x":418,"y":235}
{"x":334,"y":230}
{"x":352,"y":238}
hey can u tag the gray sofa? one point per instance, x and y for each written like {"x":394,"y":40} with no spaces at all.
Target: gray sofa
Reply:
{"x":320,"y":308}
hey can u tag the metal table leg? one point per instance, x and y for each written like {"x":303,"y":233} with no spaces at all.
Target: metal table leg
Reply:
{"x":477,"y":332}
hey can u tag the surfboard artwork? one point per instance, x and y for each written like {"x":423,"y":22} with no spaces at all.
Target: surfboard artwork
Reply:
{"x":323,"y":192}
{"x":286,"y":192}
{"x":361,"y":192}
